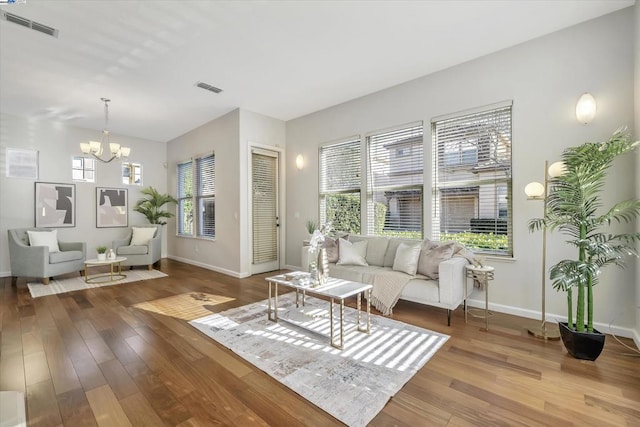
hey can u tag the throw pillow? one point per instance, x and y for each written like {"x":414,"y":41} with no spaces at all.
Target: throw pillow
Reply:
{"x":406,"y":259}
{"x":332,"y":248}
{"x":142,"y":235}
{"x":352,"y":253}
{"x":44,"y":238}
{"x":430,"y":259}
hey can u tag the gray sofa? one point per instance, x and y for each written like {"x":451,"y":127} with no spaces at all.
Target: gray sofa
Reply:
{"x":36,"y":261}
{"x":447,"y":292}
{"x":146,"y":254}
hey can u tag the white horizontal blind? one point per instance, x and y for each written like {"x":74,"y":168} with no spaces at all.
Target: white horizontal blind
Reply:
{"x":472,"y":180}
{"x":185,"y":198}
{"x":340,"y":185}
{"x":265,"y":208}
{"x":206,"y":196}
{"x":395,"y":163}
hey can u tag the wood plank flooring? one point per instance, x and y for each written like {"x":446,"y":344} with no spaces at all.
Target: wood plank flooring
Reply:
{"x":125,"y":356}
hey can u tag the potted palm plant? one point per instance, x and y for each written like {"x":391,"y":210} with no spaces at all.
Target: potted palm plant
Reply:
{"x":151,"y":206}
{"x":574,"y":208}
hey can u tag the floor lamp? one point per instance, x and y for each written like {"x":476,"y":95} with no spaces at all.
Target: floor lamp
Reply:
{"x":537,"y":191}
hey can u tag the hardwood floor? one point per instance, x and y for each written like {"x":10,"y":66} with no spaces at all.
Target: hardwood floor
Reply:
{"x":125,"y":355}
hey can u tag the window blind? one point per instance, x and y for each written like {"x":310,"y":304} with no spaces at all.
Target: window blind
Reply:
{"x":206,"y":195}
{"x":395,"y":167}
{"x":340,"y":185}
{"x":472,"y":180}
{"x":185,"y":198}
{"x":265,"y":207}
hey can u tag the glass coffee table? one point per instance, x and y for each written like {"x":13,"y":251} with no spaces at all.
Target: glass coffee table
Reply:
{"x":112,"y":276}
{"x":335,"y":290}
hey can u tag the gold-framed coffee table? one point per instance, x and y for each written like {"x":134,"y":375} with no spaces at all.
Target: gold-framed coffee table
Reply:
{"x":335,"y":290}
{"x":113,"y":276}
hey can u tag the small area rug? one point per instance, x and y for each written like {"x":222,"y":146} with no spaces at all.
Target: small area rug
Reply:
{"x":37,"y":289}
{"x":352,"y":384}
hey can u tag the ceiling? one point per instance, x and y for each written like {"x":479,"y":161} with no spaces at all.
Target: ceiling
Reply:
{"x":283,"y":59}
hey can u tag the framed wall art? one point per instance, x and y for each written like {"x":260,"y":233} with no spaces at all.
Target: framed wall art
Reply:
{"x":55,"y":205}
{"x":22,"y":163}
{"x":112,"y":207}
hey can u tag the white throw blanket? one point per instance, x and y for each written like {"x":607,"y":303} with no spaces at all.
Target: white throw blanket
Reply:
{"x":387,"y":287}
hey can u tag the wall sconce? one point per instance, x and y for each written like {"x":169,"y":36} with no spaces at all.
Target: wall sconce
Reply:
{"x":586,"y":108}
{"x":299,"y":161}
{"x":537,"y":191}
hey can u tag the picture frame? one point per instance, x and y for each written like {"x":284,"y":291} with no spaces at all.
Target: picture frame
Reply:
{"x":55,"y":205}
{"x":112,"y":207}
{"x":22,"y":163}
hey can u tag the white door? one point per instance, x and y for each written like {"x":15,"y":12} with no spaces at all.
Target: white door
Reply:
{"x":265,"y":207}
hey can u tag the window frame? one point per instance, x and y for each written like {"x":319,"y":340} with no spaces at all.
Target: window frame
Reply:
{"x":196,"y":195}
{"x":84,"y":169}
{"x":490,"y":177}
{"x":132,"y":168}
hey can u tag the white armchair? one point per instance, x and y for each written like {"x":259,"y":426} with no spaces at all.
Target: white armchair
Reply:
{"x":142,"y":246}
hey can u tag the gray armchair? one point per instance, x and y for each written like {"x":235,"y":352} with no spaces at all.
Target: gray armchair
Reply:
{"x":140,"y":254}
{"x":36,"y":261}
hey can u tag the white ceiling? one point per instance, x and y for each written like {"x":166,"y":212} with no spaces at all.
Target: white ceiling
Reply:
{"x":283,"y":59}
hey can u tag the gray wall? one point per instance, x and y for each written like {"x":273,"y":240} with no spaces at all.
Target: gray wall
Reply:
{"x":229,"y":136}
{"x":57,"y":143}
{"x":544,"y":78}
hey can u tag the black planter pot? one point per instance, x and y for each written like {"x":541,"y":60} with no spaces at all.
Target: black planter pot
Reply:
{"x":582,"y":345}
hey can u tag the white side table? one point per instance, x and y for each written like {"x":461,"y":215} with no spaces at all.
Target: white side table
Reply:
{"x":483,"y":275}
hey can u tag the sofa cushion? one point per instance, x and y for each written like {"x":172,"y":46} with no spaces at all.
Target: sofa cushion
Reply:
{"x":64,"y":256}
{"x":142,"y":235}
{"x":132,"y":250}
{"x":352,"y":253}
{"x":392,"y":247}
{"x":406,"y":259}
{"x":44,"y":238}
{"x":332,"y":248}
{"x":430,"y":259}
{"x":355,"y":273}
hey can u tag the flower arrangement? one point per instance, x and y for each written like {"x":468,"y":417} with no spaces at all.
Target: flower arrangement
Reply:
{"x":319,"y":235}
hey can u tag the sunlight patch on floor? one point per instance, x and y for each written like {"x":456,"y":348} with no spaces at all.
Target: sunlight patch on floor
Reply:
{"x":189,"y":306}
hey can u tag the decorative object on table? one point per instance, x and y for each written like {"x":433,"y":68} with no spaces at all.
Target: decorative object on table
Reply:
{"x":572,"y":205}
{"x":111,"y":255}
{"x":102,"y":253}
{"x":151,"y":206}
{"x":60,"y":286}
{"x":96,"y":148}
{"x":538,"y":191}
{"x":55,"y":204}
{"x":311,"y":226}
{"x":318,"y":254}
{"x":352,"y":386}
{"x":112,"y":207}
{"x":22,"y":163}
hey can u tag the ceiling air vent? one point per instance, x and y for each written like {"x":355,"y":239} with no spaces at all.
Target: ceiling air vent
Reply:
{"x":208,"y":87}
{"x":10,"y":17}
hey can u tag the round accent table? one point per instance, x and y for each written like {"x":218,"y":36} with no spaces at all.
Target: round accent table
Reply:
{"x":481,"y":274}
{"x":112,"y":276}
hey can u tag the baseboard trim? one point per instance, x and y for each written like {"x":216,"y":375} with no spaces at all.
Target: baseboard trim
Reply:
{"x":231,"y":273}
{"x":5,"y":273}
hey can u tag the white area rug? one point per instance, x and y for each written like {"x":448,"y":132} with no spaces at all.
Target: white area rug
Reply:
{"x":354,"y":384}
{"x":37,"y":289}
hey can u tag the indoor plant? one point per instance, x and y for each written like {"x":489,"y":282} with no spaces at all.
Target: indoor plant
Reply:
{"x":574,"y":208}
{"x":152,"y":204}
{"x":101,"y":250}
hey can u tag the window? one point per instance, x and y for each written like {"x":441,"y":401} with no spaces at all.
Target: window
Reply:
{"x":83,"y":169}
{"x":472,"y":179}
{"x":395,"y":163}
{"x":340,"y":185}
{"x":132,"y":173}
{"x":198,"y":191}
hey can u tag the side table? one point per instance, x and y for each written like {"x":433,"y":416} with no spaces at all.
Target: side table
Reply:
{"x":482,"y":274}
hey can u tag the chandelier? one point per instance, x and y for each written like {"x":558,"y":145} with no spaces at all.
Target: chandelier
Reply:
{"x":96,"y":148}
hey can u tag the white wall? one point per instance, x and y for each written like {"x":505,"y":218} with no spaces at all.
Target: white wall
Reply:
{"x":57,"y":143}
{"x":544,"y":78}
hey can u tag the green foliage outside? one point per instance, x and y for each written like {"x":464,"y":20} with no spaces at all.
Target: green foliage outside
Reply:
{"x":475,"y":241}
{"x":343,"y":210}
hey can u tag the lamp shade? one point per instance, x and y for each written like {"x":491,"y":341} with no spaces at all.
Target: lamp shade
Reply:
{"x":586,"y":108}
{"x":534,"y":190}
{"x":557,"y":169}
